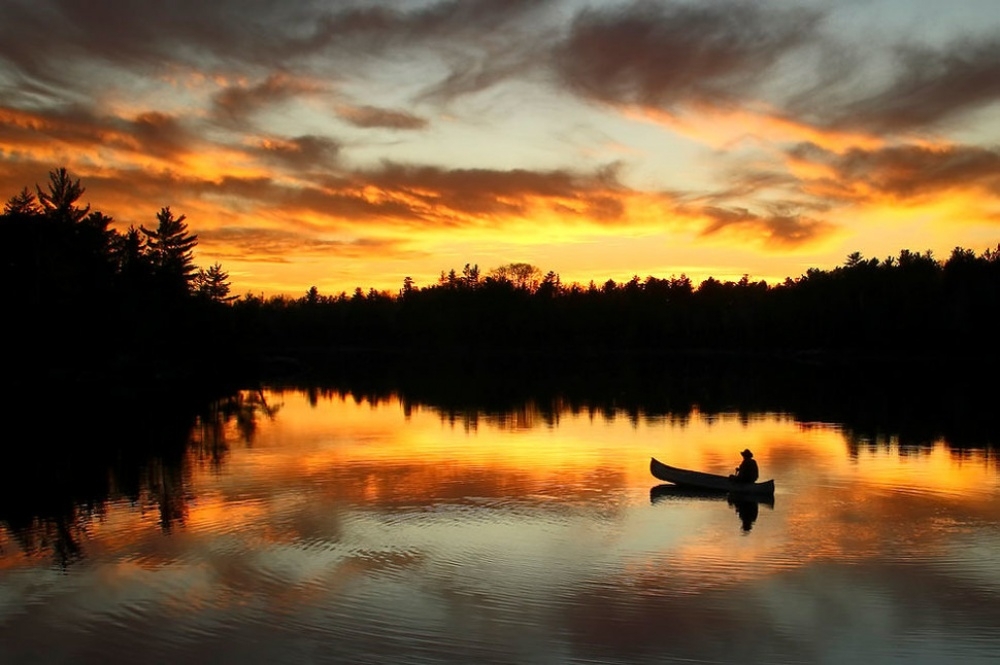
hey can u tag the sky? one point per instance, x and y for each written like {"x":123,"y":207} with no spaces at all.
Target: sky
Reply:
{"x":352,"y":143}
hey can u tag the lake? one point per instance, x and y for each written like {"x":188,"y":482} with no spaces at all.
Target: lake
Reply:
{"x":330,"y":526}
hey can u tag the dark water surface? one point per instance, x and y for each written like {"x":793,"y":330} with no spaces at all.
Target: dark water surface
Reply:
{"x":311,"y":527}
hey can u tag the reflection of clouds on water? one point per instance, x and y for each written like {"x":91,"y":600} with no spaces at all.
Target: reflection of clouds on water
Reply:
{"x":881,"y":610}
{"x":365,"y":534}
{"x":971,"y":557}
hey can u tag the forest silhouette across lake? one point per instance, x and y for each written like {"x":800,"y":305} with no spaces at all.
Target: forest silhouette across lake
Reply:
{"x":92,"y":303}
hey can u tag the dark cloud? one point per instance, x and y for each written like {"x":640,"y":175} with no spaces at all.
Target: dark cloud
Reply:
{"x":907,"y":171}
{"x":775,"y":229}
{"x":372,"y":116}
{"x":353,"y":205}
{"x":751,"y":182}
{"x":401,"y":195}
{"x":339,"y":207}
{"x":301,"y":152}
{"x":340,"y":201}
{"x":159,"y":134}
{"x":425,"y":196}
{"x":486,"y":192}
{"x":662,"y":55}
{"x":927,"y":88}
{"x":152,"y":134}
{"x":478,"y":42}
{"x":45,"y":40}
{"x":77,"y":127}
{"x":71,"y":126}
{"x":236,"y":103}
{"x":668,"y":56}
{"x":157,"y":33}
{"x":473,"y":72}
{"x":450,"y":22}
{"x":392,"y":195}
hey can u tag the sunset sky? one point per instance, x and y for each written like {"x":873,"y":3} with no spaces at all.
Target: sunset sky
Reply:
{"x":352,"y":143}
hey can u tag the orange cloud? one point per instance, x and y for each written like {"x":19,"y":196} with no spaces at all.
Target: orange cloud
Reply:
{"x":911,"y":172}
{"x":725,"y":128}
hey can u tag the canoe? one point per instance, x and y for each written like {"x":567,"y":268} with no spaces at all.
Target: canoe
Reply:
{"x":707,"y":481}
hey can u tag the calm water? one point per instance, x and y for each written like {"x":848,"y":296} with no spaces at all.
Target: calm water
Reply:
{"x":326,"y":529}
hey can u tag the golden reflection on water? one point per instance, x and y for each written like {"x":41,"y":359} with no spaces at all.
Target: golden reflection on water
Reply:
{"x":337,"y":431}
{"x":389,"y":453}
{"x":832,"y":505}
{"x":335,"y":511}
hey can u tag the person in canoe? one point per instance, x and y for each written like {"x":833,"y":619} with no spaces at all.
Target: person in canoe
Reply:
{"x":747,"y":471}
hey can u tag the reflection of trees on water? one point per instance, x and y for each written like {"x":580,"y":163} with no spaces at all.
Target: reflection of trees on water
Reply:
{"x":911,"y":405}
{"x":872,"y":442}
{"x":166,"y":484}
{"x":238,"y":413}
{"x":58,"y":536}
{"x":54,"y":485}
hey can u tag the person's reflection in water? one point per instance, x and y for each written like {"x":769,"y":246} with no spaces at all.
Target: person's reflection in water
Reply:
{"x":746,"y":510}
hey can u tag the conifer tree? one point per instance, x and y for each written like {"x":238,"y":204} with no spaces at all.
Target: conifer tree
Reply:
{"x":22,"y":203}
{"x":169,"y":247}
{"x":60,"y":201}
{"x":213,"y":284}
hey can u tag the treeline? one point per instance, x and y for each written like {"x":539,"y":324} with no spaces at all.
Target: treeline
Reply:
{"x":81,"y":298}
{"x":87,"y":297}
{"x":909,"y":304}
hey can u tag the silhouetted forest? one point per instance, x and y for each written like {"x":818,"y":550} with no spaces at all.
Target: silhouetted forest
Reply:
{"x":912,"y":304}
{"x":87,"y":300}
{"x":87,"y":303}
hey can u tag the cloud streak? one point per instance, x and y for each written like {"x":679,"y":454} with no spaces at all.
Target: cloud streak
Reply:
{"x":907,"y":172}
{"x":927,"y":89}
{"x":370,"y":116}
{"x":667,"y":55}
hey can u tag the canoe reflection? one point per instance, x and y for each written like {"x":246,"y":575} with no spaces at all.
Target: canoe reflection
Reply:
{"x":747,"y":506}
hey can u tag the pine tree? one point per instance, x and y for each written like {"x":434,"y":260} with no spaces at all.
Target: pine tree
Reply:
{"x":170,"y":247}
{"x":213,"y":284}
{"x":22,"y":203}
{"x":59,"y":202}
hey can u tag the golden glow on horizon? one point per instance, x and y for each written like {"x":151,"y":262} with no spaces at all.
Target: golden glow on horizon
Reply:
{"x":529,"y":445}
{"x":553,"y":231}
